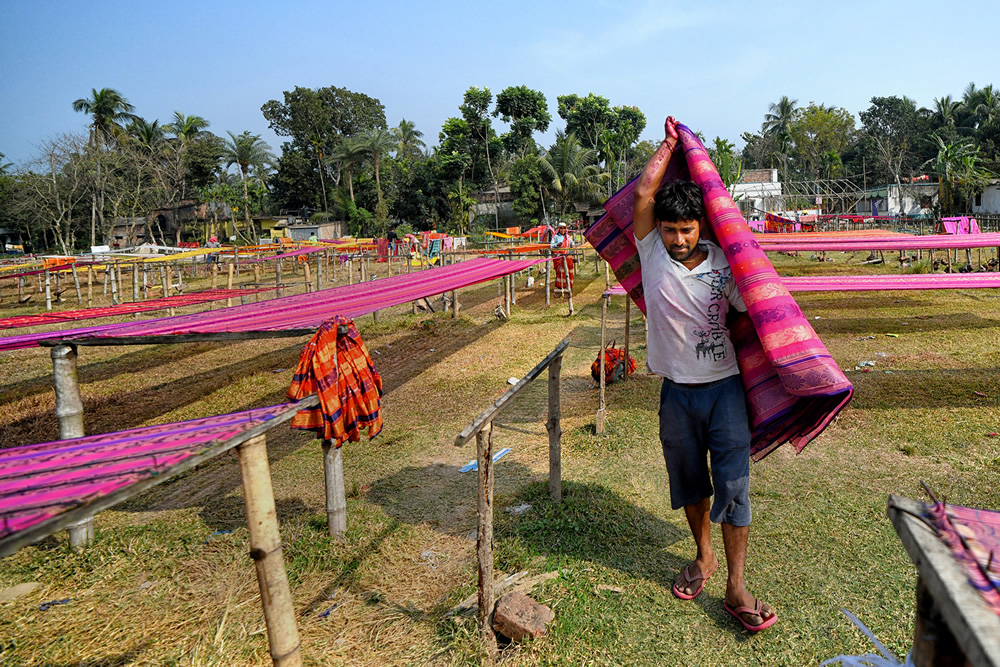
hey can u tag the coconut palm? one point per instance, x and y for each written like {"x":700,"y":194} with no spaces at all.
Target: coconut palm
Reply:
{"x":378,"y":142}
{"x":109,"y":112}
{"x":246,"y":151}
{"x":571,"y":170}
{"x":186,"y":128}
{"x":147,"y":135}
{"x":350,"y":152}
{"x":408,"y":141}
{"x":778,"y":123}
{"x":945,"y":112}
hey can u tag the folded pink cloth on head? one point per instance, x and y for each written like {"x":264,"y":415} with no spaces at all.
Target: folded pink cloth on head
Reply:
{"x":794,"y":387}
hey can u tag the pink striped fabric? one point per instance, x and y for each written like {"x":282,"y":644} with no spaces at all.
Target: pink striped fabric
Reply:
{"x":794,"y":388}
{"x":973,"y":536}
{"x":302,"y":311}
{"x":919,"y":281}
{"x":34,"y":272}
{"x":177,"y":301}
{"x":38,"y":482}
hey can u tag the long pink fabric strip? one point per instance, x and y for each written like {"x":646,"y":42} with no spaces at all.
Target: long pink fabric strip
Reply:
{"x":302,"y":311}
{"x":920,"y":281}
{"x":794,"y":388}
{"x":39,"y":481}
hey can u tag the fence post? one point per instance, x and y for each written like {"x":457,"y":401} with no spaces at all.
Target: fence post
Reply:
{"x":484,"y":533}
{"x":548,"y":272}
{"x":76,"y":284}
{"x":48,"y":290}
{"x":569,"y":283}
{"x":554,"y":427}
{"x":602,"y":412}
{"x":336,"y":499}
{"x":69,"y":412}
{"x":266,"y":552}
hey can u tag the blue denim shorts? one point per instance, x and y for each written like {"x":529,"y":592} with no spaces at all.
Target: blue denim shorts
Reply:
{"x":704,"y":426}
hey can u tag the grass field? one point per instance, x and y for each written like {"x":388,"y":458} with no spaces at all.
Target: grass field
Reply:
{"x":168,"y":580}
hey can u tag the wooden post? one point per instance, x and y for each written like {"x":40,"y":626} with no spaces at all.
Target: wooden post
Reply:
{"x":145,"y":282}
{"x":90,"y":286}
{"x":215,"y":275}
{"x":409,"y":269}
{"x":350,"y":271}
{"x":602,"y":413}
{"x":607,"y":276}
{"x":163,"y":281}
{"x":114,"y":286}
{"x":319,"y":272}
{"x":513,"y":285}
{"x":569,"y":283}
{"x":105,"y":292}
{"x":265,"y":550}
{"x":336,"y":499}
{"x":484,"y":532}
{"x":69,"y":412}
{"x":229,"y":284}
{"x":308,"y":276}
{"x":554,"y":427}
{"x":628,"y":326}
{"x":48,"y":290}
{"x":277,"y":279}
{"x":20,"y":288}
{"x":180,"y":277}
{"x":121,"y":285}
{"x":135,"y":283}
{"x":236,"y":259}
{"x":76,"y":284}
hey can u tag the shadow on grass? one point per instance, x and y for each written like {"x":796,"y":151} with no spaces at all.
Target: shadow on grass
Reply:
{"x":895,"y":324}
{"x":935,"y":388}
{"x":129,"y":657}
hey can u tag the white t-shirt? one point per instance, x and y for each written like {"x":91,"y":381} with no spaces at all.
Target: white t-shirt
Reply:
{"x":688,"y":341}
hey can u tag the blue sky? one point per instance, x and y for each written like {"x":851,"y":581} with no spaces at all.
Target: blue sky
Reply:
{"x":714,"y":65}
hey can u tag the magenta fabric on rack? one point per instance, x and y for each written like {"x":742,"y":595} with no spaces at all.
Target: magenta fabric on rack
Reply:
{"x":962,"y":224}
{"x":920,"y":281}
{"x":291,"y":253}
{"x":302,"y":311}
{"x":37,"y":482}
{"x":973,"y":537}
{"x":794,"y":387}
{"x":177,"y":301}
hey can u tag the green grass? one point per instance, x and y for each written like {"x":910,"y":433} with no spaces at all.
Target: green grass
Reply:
{"x":165,"y":583}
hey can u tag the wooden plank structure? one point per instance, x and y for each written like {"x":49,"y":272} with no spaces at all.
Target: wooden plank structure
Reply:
{"x":262,"y":523}
{"x":953,"y":625}
{"x":481,"y":429}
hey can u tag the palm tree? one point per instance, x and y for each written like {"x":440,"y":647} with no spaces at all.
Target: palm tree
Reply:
{"x":408,"y":141}
{"x":945,"y":111}
{"x":148,"y":135}
{"x":186,"y":128}
{"x":947,"y":164}
{"x":571,"y":170}
{"x":246,"y":151}
{"x":987,"y":109}
{"x":378,"y":142}
{"x":777,"y":124}
{"x":349,"y":153}
{"x":109,"y":111}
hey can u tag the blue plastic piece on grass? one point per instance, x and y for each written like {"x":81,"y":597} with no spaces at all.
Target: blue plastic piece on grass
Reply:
{"x":474,"y":464}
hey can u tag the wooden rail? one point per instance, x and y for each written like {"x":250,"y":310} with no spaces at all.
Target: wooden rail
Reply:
{"x":481,"y":429}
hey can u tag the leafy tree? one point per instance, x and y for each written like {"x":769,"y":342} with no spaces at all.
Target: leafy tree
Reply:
{"x":527,"y":112}
{"x":526,"y":186}
{"x":818,"y":130}
{"x":148,"y":136}
{"x":570,"y":171}
{"x":475,"y":110}
{"x":378,"y":143}
{"x":727,"y":162}
{"x":959,"y":175}
{"x":892,"y":125}
{"x":777,"y":126}
{"x":586,"y":117}
{"x":350,"y":153}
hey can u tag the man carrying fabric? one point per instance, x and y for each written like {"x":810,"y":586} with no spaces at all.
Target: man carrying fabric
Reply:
{"x":565,"y":271}
{"x":688,"y":288}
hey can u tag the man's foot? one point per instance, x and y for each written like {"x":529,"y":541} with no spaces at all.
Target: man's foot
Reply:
{"x":753,"y":614}
{"x":691,"y":580}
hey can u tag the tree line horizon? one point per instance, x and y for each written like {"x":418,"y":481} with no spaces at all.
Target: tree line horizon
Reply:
{"x":340,"y":160}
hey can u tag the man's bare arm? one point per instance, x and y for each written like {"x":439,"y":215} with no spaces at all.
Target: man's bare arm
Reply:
{"x":645,"y":190}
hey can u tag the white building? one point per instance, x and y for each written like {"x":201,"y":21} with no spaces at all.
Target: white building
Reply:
{"x":988,"y":202}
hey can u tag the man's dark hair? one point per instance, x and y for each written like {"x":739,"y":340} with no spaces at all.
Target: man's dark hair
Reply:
{"x":678,"y":200}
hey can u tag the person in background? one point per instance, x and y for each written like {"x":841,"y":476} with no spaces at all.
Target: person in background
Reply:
{"x":561,"y":242}
{"x":212,"y":257}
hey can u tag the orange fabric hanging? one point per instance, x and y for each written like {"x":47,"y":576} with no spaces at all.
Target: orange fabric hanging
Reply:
{"x":343,"y":374}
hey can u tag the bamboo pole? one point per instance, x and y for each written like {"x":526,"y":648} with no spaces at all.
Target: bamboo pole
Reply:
{"x":548,"y":273}
{"x":145,"y":283}
{"x":569,"y":283}
{"x":215,"y":276}
{"x":229,"y":284}
{"x":90,"y":286}
{"x":48,"y":290}
{"x":602,"y":412}
{"x":554,"y":427}
{"x":484,"y":532}
{"x":135,"y":283}
{"x":163,"y":281}
{"x":336,"y":499}
{"x":69,"y":412}
{"x":105,"y":292}
{"x":76,"y":284}
{"x":114,"y":286}
{"x":265,"y":550}
{"x":308,"y":276}
{"x":20,"y":288}
{"x":121,"y":285}
{"x":277,"y":279}
{"x":628,"y":327}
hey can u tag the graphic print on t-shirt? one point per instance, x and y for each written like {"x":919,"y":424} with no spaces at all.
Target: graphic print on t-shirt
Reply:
{"x":711,"y":344}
